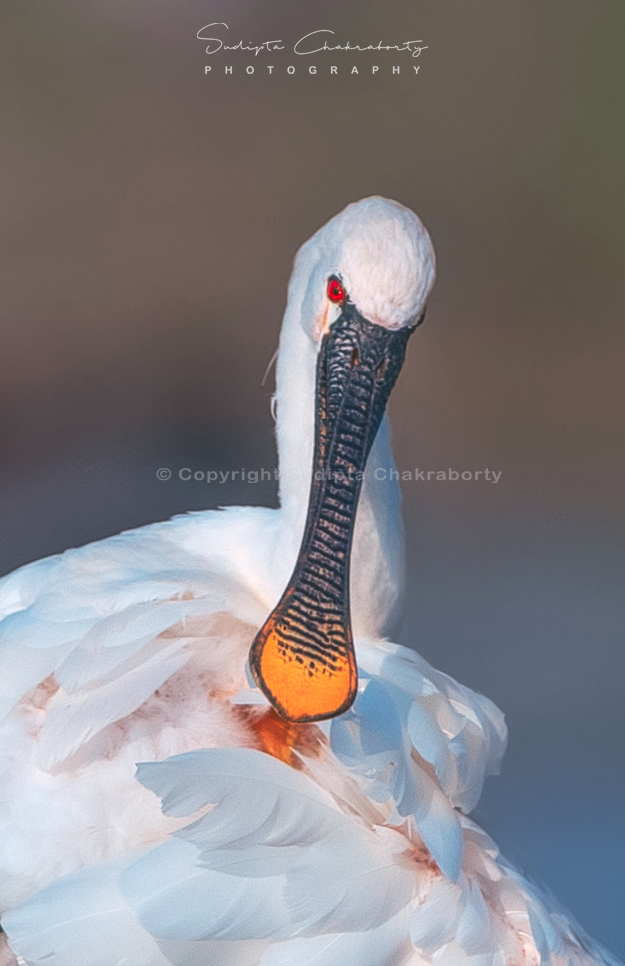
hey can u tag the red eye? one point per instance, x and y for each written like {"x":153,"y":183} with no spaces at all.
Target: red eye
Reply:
{"x":336,"y":292}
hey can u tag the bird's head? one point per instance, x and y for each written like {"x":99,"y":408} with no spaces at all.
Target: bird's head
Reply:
{"x":376,"y":256}
{"x":358,"y":291}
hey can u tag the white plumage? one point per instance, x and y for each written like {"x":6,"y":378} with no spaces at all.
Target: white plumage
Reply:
{"x":355,"y":849}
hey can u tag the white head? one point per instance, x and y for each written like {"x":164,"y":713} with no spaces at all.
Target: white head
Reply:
{"x":382,"y":254}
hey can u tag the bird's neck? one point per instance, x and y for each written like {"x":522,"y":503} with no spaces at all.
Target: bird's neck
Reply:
{"x":377,"y":560}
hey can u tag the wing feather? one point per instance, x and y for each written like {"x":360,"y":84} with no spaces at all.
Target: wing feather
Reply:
{"x":337,"y":872}
{"x":386,"y":945}
{"x":111,"y":622}
{"x":372,"y":741}
{"x":73,"y":719}
{"x":82,"y":919}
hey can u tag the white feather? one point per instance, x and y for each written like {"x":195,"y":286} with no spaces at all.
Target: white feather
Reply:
{"x":191,"y":953}
{"x":371,"y":740}
{"x":385,"y":945}
{"x":73,"y":719}
{"x":295,"y":830}
{"x":82,"y":921}
{"x":175,"y":896}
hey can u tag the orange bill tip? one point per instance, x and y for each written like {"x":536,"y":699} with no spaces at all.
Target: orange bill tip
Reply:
{"x":301,"y":688}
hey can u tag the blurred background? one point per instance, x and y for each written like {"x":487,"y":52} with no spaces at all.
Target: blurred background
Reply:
{"x":150,"y":216}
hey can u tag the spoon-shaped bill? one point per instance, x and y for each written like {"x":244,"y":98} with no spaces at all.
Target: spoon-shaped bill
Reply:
{"x":303,"y":657}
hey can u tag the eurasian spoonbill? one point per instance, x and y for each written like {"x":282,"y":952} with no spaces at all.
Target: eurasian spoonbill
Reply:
{"x":321,"y":818}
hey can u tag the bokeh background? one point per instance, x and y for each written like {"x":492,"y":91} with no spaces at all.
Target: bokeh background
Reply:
{"x":149,"y":220}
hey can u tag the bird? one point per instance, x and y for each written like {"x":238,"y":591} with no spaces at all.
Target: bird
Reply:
{"x":211,"y":751}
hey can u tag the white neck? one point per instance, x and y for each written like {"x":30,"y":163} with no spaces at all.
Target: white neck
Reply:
{"x":377,"y":562}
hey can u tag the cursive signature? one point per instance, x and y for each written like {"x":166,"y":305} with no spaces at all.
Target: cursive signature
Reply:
{"x":215,"y":44}
{"x":409,"y":45}
{"x":268,"y":45}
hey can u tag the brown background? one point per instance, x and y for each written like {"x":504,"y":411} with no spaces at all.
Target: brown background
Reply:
{"x":149,"y":219}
